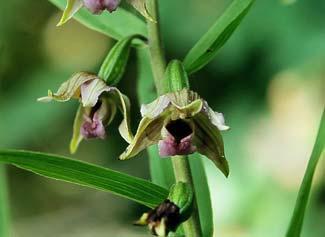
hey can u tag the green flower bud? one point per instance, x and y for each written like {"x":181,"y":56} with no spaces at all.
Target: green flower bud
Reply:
{"x":116,"y":60}
{"x":176,"y":77}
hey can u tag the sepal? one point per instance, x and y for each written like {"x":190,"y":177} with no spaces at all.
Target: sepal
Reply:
{"x":71,"y":8}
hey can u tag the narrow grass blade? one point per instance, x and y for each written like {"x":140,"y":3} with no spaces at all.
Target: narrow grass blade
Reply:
{"x":85,"y":174}
{"x":207,"y":47}
{"x":297,"y":219}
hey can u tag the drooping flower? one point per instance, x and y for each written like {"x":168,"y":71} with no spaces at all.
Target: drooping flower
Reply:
{"x":181,"y":123}
{"x":98,"y":105}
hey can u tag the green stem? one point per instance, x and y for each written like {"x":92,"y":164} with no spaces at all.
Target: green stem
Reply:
{"x":182,"y":171}
{"x":4,"y":209}
{"x":158,"y":62}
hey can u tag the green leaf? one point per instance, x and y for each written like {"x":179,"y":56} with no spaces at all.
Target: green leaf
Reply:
{"x":4,"y":205}
{"x":207,"y":47}
{"x":85,"y":174}
{"x":303,"y":195}
{"x":117,"y":25}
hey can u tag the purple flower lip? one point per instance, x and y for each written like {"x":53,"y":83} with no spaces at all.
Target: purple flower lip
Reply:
{"x":178,"y":140}
{"x":92,"y":126}
{"x":97,"y":6}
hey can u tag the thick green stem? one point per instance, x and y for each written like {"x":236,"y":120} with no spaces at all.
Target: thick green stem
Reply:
{"x":182,"y":171}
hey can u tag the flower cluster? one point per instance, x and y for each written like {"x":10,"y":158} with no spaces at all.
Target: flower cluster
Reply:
{"x":180,"y":122}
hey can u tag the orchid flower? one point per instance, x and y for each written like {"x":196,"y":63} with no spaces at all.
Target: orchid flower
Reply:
{"x":181,"y":123}
{"x":98,"y":105}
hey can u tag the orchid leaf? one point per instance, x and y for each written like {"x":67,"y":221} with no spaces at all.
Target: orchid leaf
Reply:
{"x":297,"y":219}
{"x":86,"y":174}
{"x":207,"y":47}
{"x":117,"y":25}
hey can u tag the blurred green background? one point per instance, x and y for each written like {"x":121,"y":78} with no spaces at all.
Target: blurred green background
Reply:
{"x":269,"y":81}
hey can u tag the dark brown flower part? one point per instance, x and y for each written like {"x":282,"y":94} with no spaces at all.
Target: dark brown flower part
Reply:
{"x":162,"y":219}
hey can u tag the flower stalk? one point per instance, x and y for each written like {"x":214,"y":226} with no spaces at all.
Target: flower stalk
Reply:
{"x":158,"y":62}
{"x":181,"y":167}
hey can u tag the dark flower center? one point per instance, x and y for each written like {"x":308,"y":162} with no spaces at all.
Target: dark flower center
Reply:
{"x":95,"y":108}
{"x":167,"y":210}
{"x":179,"y":129}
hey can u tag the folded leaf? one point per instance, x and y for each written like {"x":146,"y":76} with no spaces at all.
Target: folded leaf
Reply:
{"x":207,"y":47}
{"x":303,"y":195}
{"x":85,"y":174}
{"x":117,"y":25}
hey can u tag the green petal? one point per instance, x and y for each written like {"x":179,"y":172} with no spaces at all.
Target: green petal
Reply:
{"x":149,"y":133}
{"x":72,"y":7}
{"x":216,"y":118}
{"x":76,"y":136}
{"x":109,"y":110}
{"x":123,"y":103}
{"x":155,"y":108}
{"x":209,"y":142}
{"x":91,"y":91}
{"x":69,"y":89}
{"x":183,"y":97}
{"x":188,"y":111}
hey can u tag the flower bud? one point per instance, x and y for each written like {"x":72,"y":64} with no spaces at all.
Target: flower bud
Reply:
{"x":116,"y":60}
